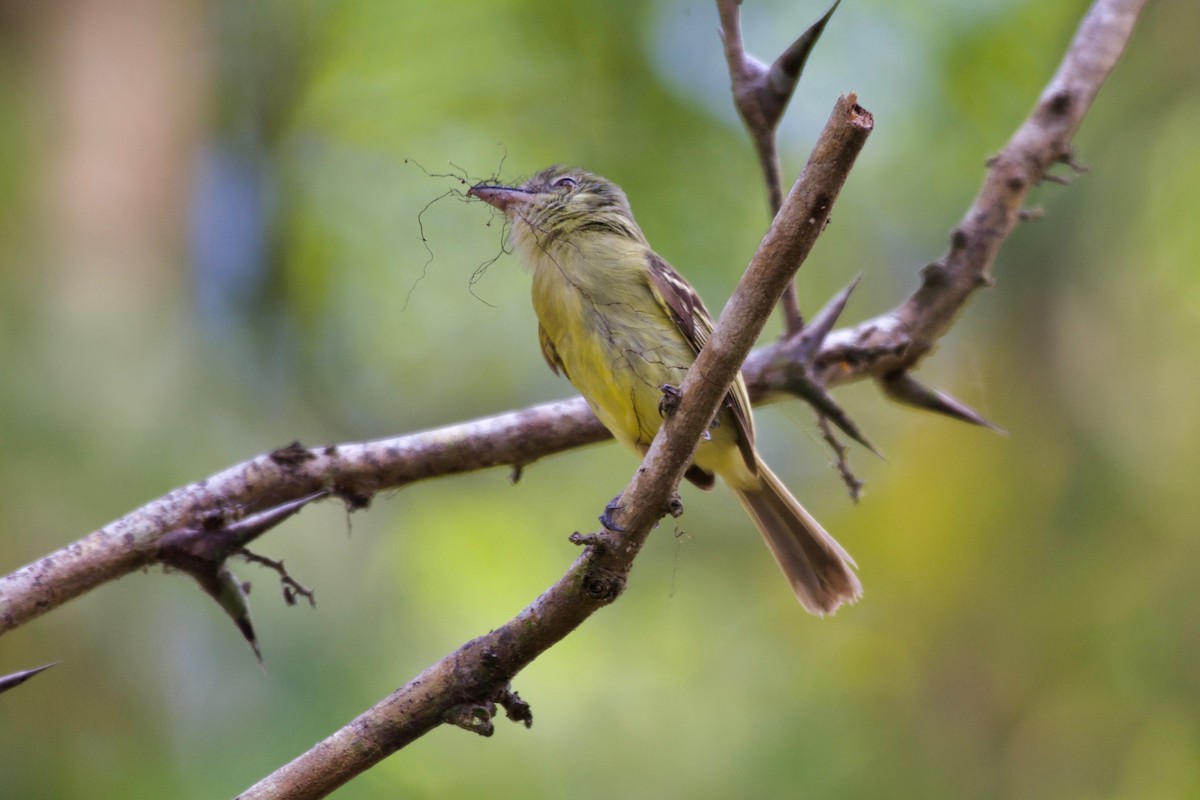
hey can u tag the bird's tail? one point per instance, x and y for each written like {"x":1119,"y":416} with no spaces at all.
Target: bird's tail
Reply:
{"x":816,"y":565}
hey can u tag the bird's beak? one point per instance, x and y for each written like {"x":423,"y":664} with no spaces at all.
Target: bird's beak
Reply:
{"x":505,"y":198}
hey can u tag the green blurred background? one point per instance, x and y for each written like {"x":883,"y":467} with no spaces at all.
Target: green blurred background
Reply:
{"x":210,"y":222}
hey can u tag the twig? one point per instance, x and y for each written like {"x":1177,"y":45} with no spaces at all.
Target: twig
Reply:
{"x":897,"y":340}
{"x":854,"y":484}
{"x":761,"y":94}
{"x":353,"y":472}
{"x":292,"y":588}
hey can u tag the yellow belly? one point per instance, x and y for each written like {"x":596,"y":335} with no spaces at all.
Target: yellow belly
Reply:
{"x":618,"y":354}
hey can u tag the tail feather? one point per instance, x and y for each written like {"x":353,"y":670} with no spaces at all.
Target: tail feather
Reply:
{"x":817,"y":567}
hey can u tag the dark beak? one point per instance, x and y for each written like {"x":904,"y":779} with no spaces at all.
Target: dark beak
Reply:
{"x":501,"y":197}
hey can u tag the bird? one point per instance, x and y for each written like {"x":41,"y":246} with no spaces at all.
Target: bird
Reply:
{"x":621,"y":324}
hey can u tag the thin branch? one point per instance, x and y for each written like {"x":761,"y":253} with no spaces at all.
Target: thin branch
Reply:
{"x":897,"y":340}
{"x":463,"y":684}
{"x":353,"y":472}
{"x":761,"y":94}
{"x":854,"y":485}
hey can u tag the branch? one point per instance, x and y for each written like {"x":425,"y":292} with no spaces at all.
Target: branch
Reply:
{"x":353,"y":472}
{"x":892,"y":344}
{"x":463,"y":686}
{"x":761,"y":94}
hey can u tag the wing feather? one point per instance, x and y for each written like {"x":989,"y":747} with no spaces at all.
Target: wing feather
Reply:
{"x":687,"y":311}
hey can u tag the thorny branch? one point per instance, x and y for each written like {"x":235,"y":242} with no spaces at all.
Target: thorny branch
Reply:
{"x":761,"y":95}
{"x":480,"y":671}
{"x":885,"y":348}
{"x":888,"y":347}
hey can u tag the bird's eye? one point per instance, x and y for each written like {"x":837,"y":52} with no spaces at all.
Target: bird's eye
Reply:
{"x":566,"y":181}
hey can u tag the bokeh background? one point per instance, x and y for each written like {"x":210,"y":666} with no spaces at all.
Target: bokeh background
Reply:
{"x":211,"y":221}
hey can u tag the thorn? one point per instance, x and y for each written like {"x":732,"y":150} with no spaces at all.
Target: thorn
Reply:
{"x":814,"y":333}
{"x":787,"y":68}
{"x":230,"y":595}
{"x":17,"y":678}
{"x":201,"y":553}
{"x":796,"y":358}
{"x":247,"y":530}
{"x":761,"y":93}
{"x":904,"y":388}
{"x":823,"y":403}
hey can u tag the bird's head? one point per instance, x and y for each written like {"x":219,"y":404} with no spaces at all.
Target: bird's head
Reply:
{"x":560,"y":204}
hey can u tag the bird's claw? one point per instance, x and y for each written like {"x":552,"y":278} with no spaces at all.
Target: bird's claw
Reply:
{"x":671,"y":398}
{"x":606,"y":519}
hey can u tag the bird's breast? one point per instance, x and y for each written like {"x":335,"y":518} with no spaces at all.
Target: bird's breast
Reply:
{"x":614,"y":340}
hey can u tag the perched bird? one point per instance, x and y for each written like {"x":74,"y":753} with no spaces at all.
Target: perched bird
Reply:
{"x":620,"y":323}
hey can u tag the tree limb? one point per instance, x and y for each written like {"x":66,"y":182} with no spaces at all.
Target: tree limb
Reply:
{"x":353,"y":472}
{"x":761,"y":94}
{"x":895,"y":342}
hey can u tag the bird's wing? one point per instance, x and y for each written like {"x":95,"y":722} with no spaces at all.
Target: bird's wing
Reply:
{"x":687,"y":311}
